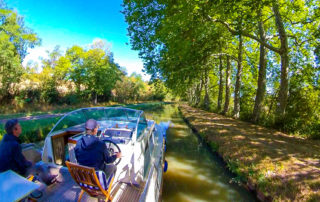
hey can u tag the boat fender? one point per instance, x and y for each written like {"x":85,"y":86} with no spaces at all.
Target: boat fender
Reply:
{"x":165,"y":168}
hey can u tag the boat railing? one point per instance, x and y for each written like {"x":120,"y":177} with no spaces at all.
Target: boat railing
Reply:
{"x":153,"y":185}
{"x":154,"y":181}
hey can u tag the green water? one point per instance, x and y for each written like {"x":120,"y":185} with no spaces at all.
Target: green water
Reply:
{"x":194,"y":173}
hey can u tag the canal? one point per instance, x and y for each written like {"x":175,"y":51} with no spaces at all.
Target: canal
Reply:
{"x":194,"y":173}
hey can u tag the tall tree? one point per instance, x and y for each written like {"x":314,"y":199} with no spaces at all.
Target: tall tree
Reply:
{"x":236,"y":112}
{"x":220,"y":96}
{"x":227,"y":96}
{"x":15,"y":38}
{"x":261,"y":90}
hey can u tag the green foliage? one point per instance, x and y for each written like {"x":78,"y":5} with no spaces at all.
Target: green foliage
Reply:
{"x":302,"y":116}
{"x":92,"y":69}
{"x":49,"y":93}
{"x":233,"y":166}
{"x":214,"y":146}
{"x":180,"y":40}
{"x":128,"y":89}
{"x":70,"y":99}
{"x":159,"y":90}
{"x":15,"y":38}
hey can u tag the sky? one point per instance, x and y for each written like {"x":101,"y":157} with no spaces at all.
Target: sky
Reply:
{"x":78,"y":22}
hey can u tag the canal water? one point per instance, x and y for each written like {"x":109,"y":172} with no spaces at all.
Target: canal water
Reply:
{"x":194,"y":173}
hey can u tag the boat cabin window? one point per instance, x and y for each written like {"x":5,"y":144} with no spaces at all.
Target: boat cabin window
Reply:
{"x":74,"y":121}
{"x":118,"y":132}
{"x":147,"y":155}
{"x":94,"y":113}
{"x":142,"y":125}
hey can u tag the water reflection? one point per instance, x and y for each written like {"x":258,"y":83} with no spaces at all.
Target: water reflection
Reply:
{"x":194,"y":174}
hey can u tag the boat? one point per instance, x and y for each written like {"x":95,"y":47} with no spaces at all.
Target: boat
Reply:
{"x":141,"y":142}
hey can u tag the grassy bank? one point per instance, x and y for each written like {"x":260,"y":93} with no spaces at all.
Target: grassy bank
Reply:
{"x":36,"y":130}
{"x":9,"y":112}
{"x":280,"y":167}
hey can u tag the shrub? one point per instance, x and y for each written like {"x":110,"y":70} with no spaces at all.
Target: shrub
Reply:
{"x":70,"y":99}
{"x":302,"y":112}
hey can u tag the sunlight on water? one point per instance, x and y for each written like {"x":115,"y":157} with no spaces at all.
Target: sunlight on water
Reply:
{"x":187,"y":197}
{"x":181,"y":134}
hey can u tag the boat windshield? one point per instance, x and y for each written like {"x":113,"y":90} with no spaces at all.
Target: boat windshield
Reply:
{"x":75,"y":120}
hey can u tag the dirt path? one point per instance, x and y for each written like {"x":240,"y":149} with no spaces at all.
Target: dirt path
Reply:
{"x":32,"y":118}
{"x":279,"y":166}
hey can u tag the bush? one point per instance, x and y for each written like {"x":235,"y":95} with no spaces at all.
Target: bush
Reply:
{"x":302,"y":115}
{"x":49,"y":93}
{"x":70,"y":99}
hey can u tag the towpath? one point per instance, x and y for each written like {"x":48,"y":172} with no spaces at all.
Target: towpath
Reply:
{"x":278,"y":166}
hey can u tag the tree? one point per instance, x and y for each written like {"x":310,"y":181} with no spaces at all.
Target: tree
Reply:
{"x":178,"y":40}
{"x":227,"y":99}
{"x":15,"y":38}
{"x":220,"y":84}
{"x":261,"y":90}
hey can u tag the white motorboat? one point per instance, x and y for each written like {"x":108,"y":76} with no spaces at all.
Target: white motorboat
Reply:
{"x":141,"y":142}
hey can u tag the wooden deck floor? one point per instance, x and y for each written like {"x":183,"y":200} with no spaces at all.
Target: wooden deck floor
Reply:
{"x":68,"y":190}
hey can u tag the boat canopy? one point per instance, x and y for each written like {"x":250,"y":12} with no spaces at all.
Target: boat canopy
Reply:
{"x":76,"y":119}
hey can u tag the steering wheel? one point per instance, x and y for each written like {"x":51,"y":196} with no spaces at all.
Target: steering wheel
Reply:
{"x":113,"y":148}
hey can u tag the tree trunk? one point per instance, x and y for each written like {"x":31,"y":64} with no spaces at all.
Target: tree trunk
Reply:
{"x":206,"y":97}
{"x":95,"y":98}
{"x":198,"y":92}
{"x":262,"y":75}
{"x":284,"y":53}
{"x":227,"y":98}
{"x":236,"y":110}
{"x":193,"y":94}
{"x":220,"y":96}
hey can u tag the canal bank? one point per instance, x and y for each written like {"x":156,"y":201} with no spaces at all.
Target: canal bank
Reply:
{"x":279,"y":167}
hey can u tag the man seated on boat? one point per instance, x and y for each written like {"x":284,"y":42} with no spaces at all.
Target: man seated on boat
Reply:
{"x":92,"y":152}
{"x":11,"y":157}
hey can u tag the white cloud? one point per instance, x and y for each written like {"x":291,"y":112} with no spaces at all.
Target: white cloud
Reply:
{"x":35,"y":55}
{"x":133,"y":66}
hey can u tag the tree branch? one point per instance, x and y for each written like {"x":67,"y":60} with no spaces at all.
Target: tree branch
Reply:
{"x":222,"y":54}
{"x":272,"y":36}
{"x":234,"y":32}
{"x":297,"y":40}
{"x":267,"y":19}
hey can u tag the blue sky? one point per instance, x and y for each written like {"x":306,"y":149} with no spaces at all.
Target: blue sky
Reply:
{"x":70,"y":22}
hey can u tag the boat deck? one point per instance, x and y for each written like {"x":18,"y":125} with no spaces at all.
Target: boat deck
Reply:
{"x":68,"y":190}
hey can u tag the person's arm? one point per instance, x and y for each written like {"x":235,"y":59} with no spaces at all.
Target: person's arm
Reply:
{"x":108,"y":158}
{"x":20,"y":160}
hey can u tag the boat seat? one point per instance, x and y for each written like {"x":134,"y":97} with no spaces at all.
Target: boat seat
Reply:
{"x":95,"y":183}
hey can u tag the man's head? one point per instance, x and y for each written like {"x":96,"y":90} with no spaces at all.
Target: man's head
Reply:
{"x":91,"y":127}
{"x":13,"y":127}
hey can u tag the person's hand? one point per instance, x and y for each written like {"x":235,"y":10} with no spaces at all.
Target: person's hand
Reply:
{"x":118,"y":154}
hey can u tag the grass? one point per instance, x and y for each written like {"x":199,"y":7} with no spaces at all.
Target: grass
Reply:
{"x":282,"y":167}
{"x":34,"y":130}
{"x":10,"y":112}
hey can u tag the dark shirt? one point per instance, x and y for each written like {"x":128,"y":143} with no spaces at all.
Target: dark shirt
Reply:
{"x":92,"y":152}
{"x":11,"y":157}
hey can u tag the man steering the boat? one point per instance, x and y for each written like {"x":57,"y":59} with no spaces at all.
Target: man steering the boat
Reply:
{"x":92,"y":152}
